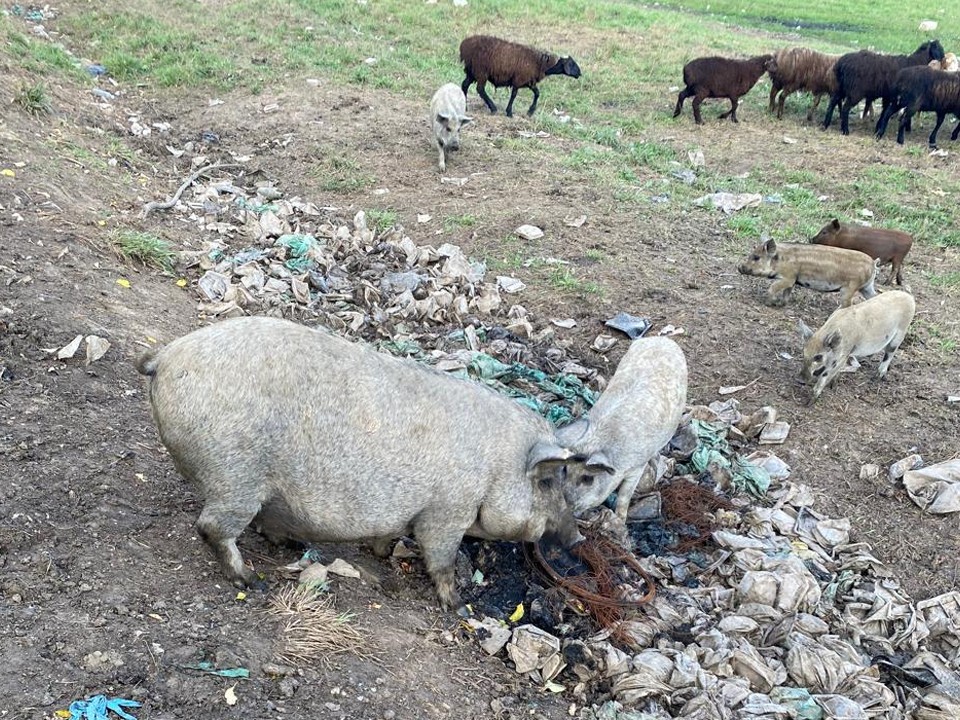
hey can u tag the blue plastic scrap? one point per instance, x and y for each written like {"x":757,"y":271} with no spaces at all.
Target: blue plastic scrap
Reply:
{"x":208,"y":667}
{"x":97,"y":707}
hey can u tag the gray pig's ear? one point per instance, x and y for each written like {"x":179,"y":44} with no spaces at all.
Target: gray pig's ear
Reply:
{"x":771,"y":245}
{"x":465,"y":120}
{"x":443,"y":119}
{"x":599,"y":462}
{"x":546,"y":452}
{"x":804,"y":330}
{"x":832,"y":340}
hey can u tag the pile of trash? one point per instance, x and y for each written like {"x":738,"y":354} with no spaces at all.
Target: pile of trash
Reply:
{"x":777,"y":616}
{"x":291,"y":258}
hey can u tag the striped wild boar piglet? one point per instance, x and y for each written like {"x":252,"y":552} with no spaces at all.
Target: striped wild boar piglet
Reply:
{"x":887,"y":246}
{"x":719,"y":77}
{"x":315,"y":438}
{"x":448,"y":114}
{"x":879,"y":323}
{"x":817,"y":267}
{"x":635,"y":417}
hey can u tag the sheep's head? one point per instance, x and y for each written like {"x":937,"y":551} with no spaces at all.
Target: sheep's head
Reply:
{"x":570,"y":67}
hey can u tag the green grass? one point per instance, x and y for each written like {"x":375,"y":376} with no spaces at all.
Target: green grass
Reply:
{"x":946,"y":281}
{"x":565,"y":280}
{"x":338,"y":173}
{"x":381,"y":220}
{"x":145,"y":248}
{"x":455,"y":222}
{"x":33,"y":99}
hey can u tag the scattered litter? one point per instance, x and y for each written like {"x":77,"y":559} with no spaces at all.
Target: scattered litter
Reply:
{"x":565,"y":324}
{"x":423,"y":218}
{"x":684,"y":175}
{"x":603,"y":343}
{"x":458,"y":181}
{"x":70,"y":349}
{"x":866,"y":213}
{"x":900,"y":467}
{"x":123,"y":282}
{"x":96,"y":348}
{"x":575,"y":222}
{"x":230,"y":696}
{"x":510,"y":285}
{"x":789,"y":140}
{"x":491,"y":633}
{"x":630,"y":325}
{"x":935,"y":488}
{"x":774,"y":433}
{"x":529,"y":232}
{"x":696,"y":157}
{"x":98,"y":707}
{"x":343,"y":569}
{"x":670,"y":330}
{"x":730,"y":389}
{"x":953,"y":398}
{"x":729,"y":202}
{"x":928,"y":25}
{"x":528,"y":134}
{"x":207,"y":667}
{"x":939,"y":152}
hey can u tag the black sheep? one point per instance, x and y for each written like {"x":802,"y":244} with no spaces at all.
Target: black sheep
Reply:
{"x":867,"y":75}
{"x":719,"y":77}
{"x":504,"y":63}
{"x":923,"y":89}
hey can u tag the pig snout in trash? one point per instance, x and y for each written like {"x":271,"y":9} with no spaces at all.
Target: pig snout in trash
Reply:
{"x":322,"y":439}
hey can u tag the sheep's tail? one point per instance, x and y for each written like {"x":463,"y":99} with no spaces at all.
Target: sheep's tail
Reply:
{"x":146,"y":364}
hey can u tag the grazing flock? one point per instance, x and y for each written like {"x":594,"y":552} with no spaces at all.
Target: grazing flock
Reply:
{"x":321,"y":450}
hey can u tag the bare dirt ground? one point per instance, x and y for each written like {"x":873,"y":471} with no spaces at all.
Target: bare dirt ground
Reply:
{"x":97,"y":546}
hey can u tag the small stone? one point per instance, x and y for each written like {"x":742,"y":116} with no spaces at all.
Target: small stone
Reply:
{"x":529,"y":232}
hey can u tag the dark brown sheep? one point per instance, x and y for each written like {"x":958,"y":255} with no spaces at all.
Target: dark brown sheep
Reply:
{"x":868,"y":76}
{"x":504,"y":63}
{"x":801,"y":69}
{"x":923,"y":89}
{"x":887,"y":246}
{"x":719,"y":77}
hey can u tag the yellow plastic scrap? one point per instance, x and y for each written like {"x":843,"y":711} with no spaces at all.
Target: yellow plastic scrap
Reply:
{"x":62,"y":713}
{"x":241,"y":595}
{"x":123,"y":282}
{"x":182,"y":282}
{"x":517,"y":614}
{"x":7,"y":172}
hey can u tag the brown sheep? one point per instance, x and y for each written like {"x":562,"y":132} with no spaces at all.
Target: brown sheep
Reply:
{"x":504,"y":63}
{"x":719,"y":77}
{"x":799,"y":68}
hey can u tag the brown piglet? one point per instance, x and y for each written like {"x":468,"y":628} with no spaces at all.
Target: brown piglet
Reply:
{"x":887,"y":246}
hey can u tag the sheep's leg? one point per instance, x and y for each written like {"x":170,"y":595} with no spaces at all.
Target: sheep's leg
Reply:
{"x":884,"y":120}
{"x":732,"y":112}
{"x":513,"y":96}
{"x":831,"y":106}
{"x":773,"y":94}
{"x":956,"y":130}
{"x":697,"y":101}
{"x":465,"y":85}
{"x":845,"y":107}
{"x":813,"y":108}
{"x":536,"y":98}
{"x":684,"y":94}
{"x":482,"y":92}
{"x":783,"y":98}
{"x":901,"y":128}
{"x":941,"y":116}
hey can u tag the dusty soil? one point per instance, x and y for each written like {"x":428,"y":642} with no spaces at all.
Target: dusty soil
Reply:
{"x":97,"y":546}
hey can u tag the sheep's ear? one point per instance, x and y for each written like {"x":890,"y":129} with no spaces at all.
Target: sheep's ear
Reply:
{"x":836,"y":224}
{"x":465,"y":119}
{"x":771,"y":245}
{"x":804,"y":330}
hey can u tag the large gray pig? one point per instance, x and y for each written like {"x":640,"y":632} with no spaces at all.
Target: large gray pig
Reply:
{"x":321,"y":439}
{"x":635,"y":417}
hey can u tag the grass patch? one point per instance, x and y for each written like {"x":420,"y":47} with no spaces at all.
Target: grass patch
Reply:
{"x":945,"y":281}
{"x":381,"y":220}
{"x":455,"y":222}
{"x":145,"y":248}
{"x":339,"y":174}
{"x":33,"y":99}
{"x":563,"y":279}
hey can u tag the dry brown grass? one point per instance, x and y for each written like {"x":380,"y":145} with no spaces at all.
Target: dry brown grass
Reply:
{"x":313,"y":631}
